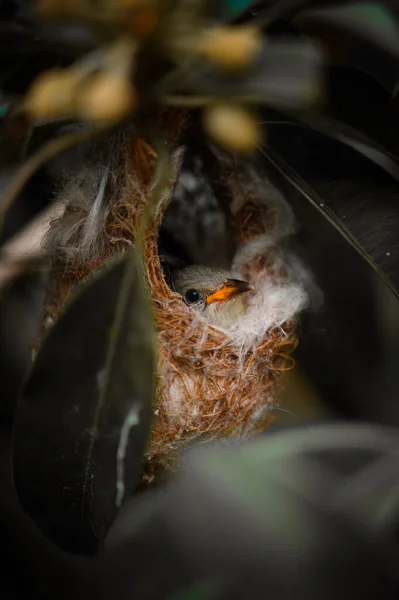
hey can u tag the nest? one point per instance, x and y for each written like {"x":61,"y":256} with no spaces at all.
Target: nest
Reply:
{"x":212,"y":383}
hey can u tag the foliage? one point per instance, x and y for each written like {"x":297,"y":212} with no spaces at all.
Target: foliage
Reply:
{"x":300,"y":512}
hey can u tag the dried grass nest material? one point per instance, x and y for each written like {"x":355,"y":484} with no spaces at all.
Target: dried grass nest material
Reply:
{"x":212,"y":383}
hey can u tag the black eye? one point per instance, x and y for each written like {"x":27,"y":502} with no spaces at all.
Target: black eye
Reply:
{"x":192,"y":296}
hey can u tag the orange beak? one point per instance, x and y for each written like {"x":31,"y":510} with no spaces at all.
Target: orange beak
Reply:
{"x":230,"y":289}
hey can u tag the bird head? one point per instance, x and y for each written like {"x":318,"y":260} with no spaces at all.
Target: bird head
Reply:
{"x":213,"y":293}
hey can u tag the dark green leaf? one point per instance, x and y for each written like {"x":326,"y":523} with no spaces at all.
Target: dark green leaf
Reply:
{"x":31,"y":566}
{"x":199,"y":591}
{"x":284,"y":513}
{"x":20,"y":305}
{"x":354,"y":139}
{"x":84,"y":418}
{"x":266,"y":12}
{"x":356,"y":196}
{"x":362,"y":35}
{"x":357,"y":100}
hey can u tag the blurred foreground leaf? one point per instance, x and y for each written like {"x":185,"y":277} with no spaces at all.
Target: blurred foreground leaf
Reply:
{"x":83,"y":421}
{"x":31,"y":566}
{"x":363,"y":35}
{"x":286,"y":74}
{"x":20,"y":305}
{"x":297,"y":513}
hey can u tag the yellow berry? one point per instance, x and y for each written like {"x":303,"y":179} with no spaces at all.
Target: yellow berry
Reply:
{"x":232,"y":127}
{"x":232,"y":48}
{"x":52,"y":94}
{"x":108,"y":98}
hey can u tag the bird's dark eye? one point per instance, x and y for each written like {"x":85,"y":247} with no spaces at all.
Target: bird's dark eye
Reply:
{"x":192,"y":296}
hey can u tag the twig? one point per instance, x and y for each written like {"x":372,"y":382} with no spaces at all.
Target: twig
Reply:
{"x":26,"y":247}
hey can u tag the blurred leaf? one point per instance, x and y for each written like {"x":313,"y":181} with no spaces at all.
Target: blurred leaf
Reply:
{"x":199,"y":591}
{"x":31,"y":566}
{"x":265,"y":515}
{"x":355,"y":195}
{"x":286,"y":73}
{"x":20,"y":306}
{"x":269,"y":11}
{"x":362,"y":34}
{"x":28,"y":46}
{"x":84,"y":418}
{"x":232,"y":7}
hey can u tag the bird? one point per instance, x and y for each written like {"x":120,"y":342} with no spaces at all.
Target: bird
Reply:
{"x":213,"y":293}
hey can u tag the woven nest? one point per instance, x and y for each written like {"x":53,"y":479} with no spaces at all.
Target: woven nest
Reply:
{"x":211,"y":383}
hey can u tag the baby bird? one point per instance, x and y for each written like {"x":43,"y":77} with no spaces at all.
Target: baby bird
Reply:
{"x":212,"y":293}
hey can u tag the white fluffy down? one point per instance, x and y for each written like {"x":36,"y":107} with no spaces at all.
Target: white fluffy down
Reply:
{"x":273,"y":302}
{"x":276,"y":299}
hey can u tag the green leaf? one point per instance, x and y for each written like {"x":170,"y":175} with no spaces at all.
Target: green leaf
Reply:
{"x":198,"y":591}
{"x":278,"y":514}
{"x":83,"y":422}
{"x":350,"y":190}
{"x":20,"y":305}
{"x":231,"y":8}
{"x":20,"y":573}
